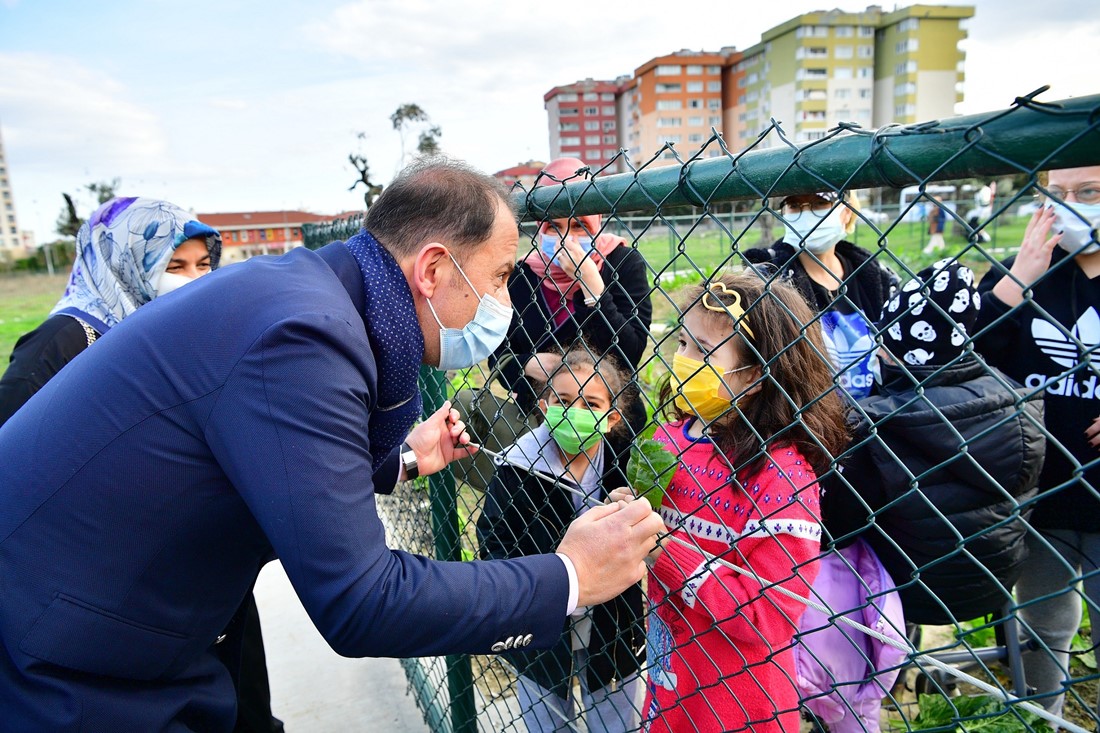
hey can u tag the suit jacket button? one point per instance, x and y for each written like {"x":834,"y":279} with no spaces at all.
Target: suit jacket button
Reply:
{"x":509,"y":642}
{"x":220,"y":639}
{"x":498,"y":647}
{"x":527,"y":639}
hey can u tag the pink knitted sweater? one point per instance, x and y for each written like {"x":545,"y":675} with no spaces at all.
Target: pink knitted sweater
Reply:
{"x":719,"y":644}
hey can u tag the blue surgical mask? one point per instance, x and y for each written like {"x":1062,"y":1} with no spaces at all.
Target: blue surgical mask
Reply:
{"x":1078,"y":226}
{"x":552,"y":242}
{"x":829,"y":231}
{"x":463,"y":347}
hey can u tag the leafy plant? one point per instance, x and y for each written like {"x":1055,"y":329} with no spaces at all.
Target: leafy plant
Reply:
{"x":971,"y":713}
{"x":650,"y":469}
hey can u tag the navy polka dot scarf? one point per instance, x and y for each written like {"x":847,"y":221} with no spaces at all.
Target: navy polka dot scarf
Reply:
{"x":397,"y":343}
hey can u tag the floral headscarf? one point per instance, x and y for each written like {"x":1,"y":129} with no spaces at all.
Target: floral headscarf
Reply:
{"x":121,"y":252}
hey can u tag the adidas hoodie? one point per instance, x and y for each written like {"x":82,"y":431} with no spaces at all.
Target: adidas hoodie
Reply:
{"x":1049,"y":343}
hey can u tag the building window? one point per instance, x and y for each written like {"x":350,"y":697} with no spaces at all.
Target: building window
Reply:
{"x":609,"y":154}
{"x":569,"y":127}
{"x":695,"y":121}
{"x":695,"y":86}
{"x":842,"y":72}
{"x":591,"y":110}
{"x":669,"y":104}
{"x":591,"y":97}
{"x":866,"y":72}
{"x":866,"y":52}
{"x":866,"y":31}
{"x":751,"y":78}
{"x":714,"y":120}
{"x":592,"y":140}
{"x":568,"y":112}
{"x":714,"y":86}
{"x":813,"y":135}
{"x":695,"y":137}
{"x":909,"y":45}
{"x":842,"y":52}
{"x":901,"y":90}
{"x":609,"y":140}
{"x":669,"y":89}
{"x":608,"y":111}
{"x":607,"y":97}
{"x":842,"y":93}
{"x":670,"y":121}
{"x":592,"y":125}
{"x":905,"y":110}
{"x":714,"y":104}
{"x":668,"y":70}
{"x":608,"y":125}
{"x":695,"y":104}
{"x":662,"y":139}
{"x":864,"y":93}
{"x":909,"y":24}
{"x":567,"y":97}
{"x":843,"y":31}
{"x":714,"y":69}
{"x":571,"y":140}
{"x":694,"y":70}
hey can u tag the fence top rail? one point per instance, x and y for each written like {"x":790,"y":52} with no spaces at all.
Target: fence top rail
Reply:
{"x":1028,"y":137}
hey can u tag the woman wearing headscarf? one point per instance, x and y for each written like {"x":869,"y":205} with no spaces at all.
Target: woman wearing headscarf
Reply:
{"x":577,"y":284}
{"x":130,"y":251}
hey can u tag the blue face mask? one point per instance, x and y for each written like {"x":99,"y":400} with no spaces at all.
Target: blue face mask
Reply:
{"x":463,"y":347}
{"x":552,"y":242}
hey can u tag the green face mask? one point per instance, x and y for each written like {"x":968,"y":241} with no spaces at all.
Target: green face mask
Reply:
{"x":576,"y":429}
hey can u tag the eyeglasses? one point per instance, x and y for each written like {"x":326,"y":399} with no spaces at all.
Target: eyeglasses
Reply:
{"x":792,"y":212}
{"x":1088,"y":193}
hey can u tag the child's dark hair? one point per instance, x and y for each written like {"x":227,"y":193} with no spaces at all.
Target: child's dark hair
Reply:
{"x":797,"y":402}
{"x":608,"y":369}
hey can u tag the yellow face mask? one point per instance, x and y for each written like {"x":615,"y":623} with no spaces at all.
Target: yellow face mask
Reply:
{"x":699,"y":387}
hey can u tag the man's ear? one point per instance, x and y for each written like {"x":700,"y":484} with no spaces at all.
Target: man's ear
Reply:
{"x":430,"y":268}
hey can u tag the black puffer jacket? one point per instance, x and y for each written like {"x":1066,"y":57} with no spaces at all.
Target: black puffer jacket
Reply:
{"x":951,"y":467}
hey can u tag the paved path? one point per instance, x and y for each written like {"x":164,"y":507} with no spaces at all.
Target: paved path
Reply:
{"x":313,"y":689}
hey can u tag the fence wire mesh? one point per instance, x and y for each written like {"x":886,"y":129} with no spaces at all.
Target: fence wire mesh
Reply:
{"x":868,"y":425}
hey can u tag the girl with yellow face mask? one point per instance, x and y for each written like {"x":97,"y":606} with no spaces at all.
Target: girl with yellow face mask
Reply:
{"x":756,"y":418}
{"x":583,"y":442}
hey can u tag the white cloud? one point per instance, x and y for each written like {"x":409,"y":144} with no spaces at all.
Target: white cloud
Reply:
{"x":61,"y":113}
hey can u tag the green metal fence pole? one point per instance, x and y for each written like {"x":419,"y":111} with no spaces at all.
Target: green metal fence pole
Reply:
{"x":989,"y":144}
{"x":448,"y":546}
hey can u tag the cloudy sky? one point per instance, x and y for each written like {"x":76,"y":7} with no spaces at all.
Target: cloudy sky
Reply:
{"x":232,"y":105}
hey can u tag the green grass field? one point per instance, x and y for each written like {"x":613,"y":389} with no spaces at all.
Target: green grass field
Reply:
{"x":24,"y":302}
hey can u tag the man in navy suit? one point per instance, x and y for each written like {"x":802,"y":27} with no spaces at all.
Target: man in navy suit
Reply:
{"x":253,"y":416}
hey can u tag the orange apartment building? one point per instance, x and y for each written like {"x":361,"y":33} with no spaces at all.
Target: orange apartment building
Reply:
{"x":677,"y":99}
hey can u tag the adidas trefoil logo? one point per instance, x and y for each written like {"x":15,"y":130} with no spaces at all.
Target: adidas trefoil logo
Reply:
{"x":1065,"y":352}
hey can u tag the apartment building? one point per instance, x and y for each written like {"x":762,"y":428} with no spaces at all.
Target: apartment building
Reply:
{"x":809,"y":73}
{"x":584,"y":120}
{"x":249,"y":233}
{"x":11,"y":242}
{"x":677,"y":99}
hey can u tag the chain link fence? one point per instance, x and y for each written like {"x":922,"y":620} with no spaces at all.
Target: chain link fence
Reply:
{"x":869,"y":432}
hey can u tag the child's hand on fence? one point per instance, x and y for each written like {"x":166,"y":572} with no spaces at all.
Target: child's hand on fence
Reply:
{"x":608,"y":546}
{"x":1032,"y":260}
{"x":440,"y":439}
{"x":623,"y":493}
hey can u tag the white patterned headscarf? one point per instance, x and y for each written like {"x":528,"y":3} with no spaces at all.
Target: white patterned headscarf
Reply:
{"x":122,"y":250}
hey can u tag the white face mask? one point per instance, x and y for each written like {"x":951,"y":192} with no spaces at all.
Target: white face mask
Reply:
{"x":170,"y":281}
{"x":829,"y":231}
{"x":1078,"y":226}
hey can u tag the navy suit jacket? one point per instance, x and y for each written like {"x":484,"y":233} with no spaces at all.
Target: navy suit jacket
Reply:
{"x":144,"y":487}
